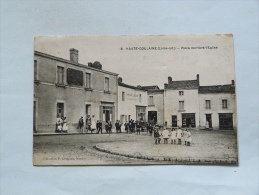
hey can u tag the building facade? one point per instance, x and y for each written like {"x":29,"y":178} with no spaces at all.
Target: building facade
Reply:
{"x":67,"y":88}
{"x":155,"y":102}
{"x":187,"y":104}
{"x":182,"y":103}
{"x":217,"y":105}
{"x":132,"y":103}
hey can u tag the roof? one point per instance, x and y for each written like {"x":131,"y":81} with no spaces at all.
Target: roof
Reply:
{"x":186,"y":84}
{"x":72,"y":63}
{"x":130,"y":86}
{"x":217,"y":89}
{"x":155,"y":91}
{"x":151,"y":87}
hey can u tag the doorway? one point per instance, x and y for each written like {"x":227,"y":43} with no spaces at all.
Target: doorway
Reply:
{"x":152,"y":117}
{"x":188,"y":120}
{"x":107,"y":114}
{"x":174,"y":120}
{"x":208,"y":118}
{"x":226,"y":121}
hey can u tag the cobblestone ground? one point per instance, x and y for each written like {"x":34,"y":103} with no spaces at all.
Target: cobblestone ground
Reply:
{"x":79,"y":149}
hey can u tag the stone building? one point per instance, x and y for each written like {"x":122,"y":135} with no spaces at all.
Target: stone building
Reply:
{"x":132,"y":103}
{"x":181,"y":103}
{"x":155,"y":104}
{"x":67,"y":88}
{"x":187,"y":104}
{"x":217,"y":105}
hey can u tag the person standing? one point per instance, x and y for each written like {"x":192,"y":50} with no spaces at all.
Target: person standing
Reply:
{"x":138,"y":128}
{"x":65,"y":127}
{"x":81,"y":125}
{"x":189,"y":138}
{"x":185,"y":136}
{"x":88,"y":123}
{"x":179,"y":135}
{"x":93,"y":123}
{"x":117,"y":126}
{"x":165,"y":134}
{"x":126,"y":127}
{"x":109,"y":126}
{"x":99,"y":127}
{"x":157,"y":136}
{"x":173,"y":136}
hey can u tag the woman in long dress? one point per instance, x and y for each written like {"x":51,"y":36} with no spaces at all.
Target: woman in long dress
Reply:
{"x":93,"y":124}
{"x":65,"y":127}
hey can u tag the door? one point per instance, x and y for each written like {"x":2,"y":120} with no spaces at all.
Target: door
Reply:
{"x":174,"y":120}
{"x":208,"y":118}
{"x":152,"y":117}
{"x":188,"y":120}
{"x":226,"y":121}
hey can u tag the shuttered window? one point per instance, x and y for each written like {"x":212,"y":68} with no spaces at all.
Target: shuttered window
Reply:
{"x":181,"y":105}
{"x":88,"y":80}
{"x":60,"y":75}
{"x":106,"y":84}
{"x":207,"y":104}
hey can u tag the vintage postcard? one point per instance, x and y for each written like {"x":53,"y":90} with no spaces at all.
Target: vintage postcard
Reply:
{"x":134,"y":100}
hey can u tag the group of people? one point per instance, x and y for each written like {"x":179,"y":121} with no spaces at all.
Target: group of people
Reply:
{"x":176,"y":136}
{"x":91,"y":125}
{"x":61,"y":124}
{"x":133,"y":126}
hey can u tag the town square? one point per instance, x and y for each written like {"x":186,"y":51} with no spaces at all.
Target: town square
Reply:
{"x":99,"y":109}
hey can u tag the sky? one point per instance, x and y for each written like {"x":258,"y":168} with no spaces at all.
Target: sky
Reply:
{"x":210,"y":56}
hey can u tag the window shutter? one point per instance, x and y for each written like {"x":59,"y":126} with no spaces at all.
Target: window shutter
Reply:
{"x":101,"y":113}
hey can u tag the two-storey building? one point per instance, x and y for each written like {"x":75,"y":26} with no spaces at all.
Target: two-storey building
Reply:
{"x":155,"y":107}
{"x":67,"y":88}
{"x":132,"y":103}
{"x":181,"y":103}
{"x":217,"y":105}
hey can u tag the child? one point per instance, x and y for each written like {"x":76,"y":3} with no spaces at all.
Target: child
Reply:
{"x":65,"y":127}
{"x":185,"y":136}
{"x":157,"y":137}
{"x":173,"y":136}
{"x":165,"y":134}
{"x":179,"y":136}
{"x":188,"y":139}
{"x":138,"y":129}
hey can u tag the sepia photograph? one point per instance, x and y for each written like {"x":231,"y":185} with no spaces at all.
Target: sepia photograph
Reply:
{"x":134,"y":100}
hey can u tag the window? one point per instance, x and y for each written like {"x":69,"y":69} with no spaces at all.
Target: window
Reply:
{"x":60,"y":74}
{"x":106,"y":84}
{"x":181,"y":105}
{"x":151,"y":100}
{"x":35,"y":70}
{"x":224,"y":104}
{"x":141,"y":113}
{"x":181,"y":93}
{"x":140,"y":98}
{"x":60,"y":109}
{"x":208,"y":105}
{"x":88,"y":80}
{"x":123,"y":96}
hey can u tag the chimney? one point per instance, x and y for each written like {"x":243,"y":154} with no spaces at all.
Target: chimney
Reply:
{"x":198,"y":79}
{"x":90,"y":64}
{"x":169,"y":80}
{"x":165,"y":85}
{"x":120,"y":80}
{"x":74,"y":55}
{"x":233,"y":82}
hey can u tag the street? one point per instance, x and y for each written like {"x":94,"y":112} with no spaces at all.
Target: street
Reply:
{"x":208,"y":147}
